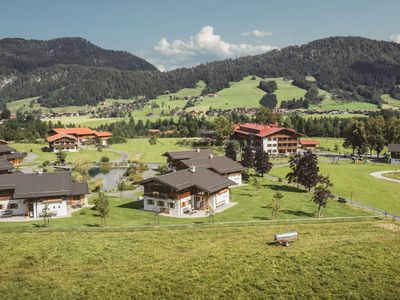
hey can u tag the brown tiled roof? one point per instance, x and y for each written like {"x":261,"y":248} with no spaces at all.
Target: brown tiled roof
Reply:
{"x":201,"y":178}
{"x":27,"y":186}
{"x":60,"y":136}
{"x":190,"y":154}
{"x":394,"y":147}
{"x":5,"y":165}
{"x":220,"y":164}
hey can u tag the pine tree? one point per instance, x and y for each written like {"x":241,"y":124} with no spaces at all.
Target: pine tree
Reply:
{"x":230,"y":151}
{"x":262,"y":164}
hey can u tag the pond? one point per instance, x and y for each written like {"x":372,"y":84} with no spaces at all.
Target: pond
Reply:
{"x":109,"y":178}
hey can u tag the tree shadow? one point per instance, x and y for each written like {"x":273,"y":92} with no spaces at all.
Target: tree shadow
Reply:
{"x":92,"y":225}
{"x":284,"y":188}
{"x":133,"y":205}
{"x":262,"y":218}
{"x":298,"y":213}
{"x":38,"y":225}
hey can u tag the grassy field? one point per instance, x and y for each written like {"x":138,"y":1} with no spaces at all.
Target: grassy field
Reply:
{"x":354,"y":180}
{"x":393,"y":175}
{"x":390,"y":102}
{"x":90,"y":154}
{"x":344,"y":106}
{"x":140,"y":149}
{"x":251,"y":206}
{"x":329,"y":261}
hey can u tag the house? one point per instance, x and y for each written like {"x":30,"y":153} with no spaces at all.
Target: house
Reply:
{"x":175,"y":158}
{"x":271,"y":138}
{"x":10,"y":154}
{"x":309,"y":145}
{"x":221,"y":165}
{"x":83,"y":135}
{"x":5,"y":166}
{"x":27,"y":194}
{"x":394,"y":150}
{"x":181,"y":192}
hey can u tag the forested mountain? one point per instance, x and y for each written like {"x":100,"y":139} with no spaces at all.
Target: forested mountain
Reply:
{"x":355,"y":67}
{"x":22,"y":56}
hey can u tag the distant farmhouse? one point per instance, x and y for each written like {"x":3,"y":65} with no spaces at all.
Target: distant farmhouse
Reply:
{"x":394,"y":150}
{"x":272,"y":139}
{"x":199,"y":180}
{"x":70,"y":139}
{"x":12,"y":156}
{"x":27,"y":194}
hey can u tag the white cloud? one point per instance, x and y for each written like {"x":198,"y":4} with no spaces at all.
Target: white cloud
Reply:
{"x":257,"y":33}
{"x":204,"y":46}
{"x":395,"y":38}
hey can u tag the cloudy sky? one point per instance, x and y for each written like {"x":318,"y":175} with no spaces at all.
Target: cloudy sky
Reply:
{"x":177,"y":33}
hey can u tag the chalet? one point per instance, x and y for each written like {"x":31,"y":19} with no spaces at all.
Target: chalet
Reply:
{"x":175,"y":158}
{"x":221,"y":165}
{"x":271,"y":138}
{"x":5,"y":166}
{"x":183,"y":191}
{"x":10,"y":154}
{"x":27,"y":194}
{"x":394,"y":150}
{"x":309,"y":145}
{"x":60,"y":137}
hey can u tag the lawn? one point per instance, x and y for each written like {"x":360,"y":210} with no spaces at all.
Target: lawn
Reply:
{"x":84,"y":121}
{"x":251,"y":206}
{"x":354,"y":180}
{"x":329,"y":261}
{"x":393,"y":175}
{"x":90,"y":154}
{"x":141,"y":149}
{"x":329,"y":104}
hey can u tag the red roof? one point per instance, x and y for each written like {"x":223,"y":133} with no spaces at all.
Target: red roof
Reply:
{"x":261,"y":130}
{"x":59,"y":136}
{"x":103,"y":133}
{"x":76,"y":131}
{"x":309,"y":142}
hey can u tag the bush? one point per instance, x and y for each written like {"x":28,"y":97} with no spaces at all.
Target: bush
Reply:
{"x":83,"y":212}
{"x":269,"y":101}
{"x":104,"y":159}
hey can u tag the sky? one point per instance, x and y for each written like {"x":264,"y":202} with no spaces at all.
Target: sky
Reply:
{"x":177,"y":33}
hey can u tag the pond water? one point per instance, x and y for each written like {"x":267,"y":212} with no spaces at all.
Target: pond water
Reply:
{"x":109,"y":178}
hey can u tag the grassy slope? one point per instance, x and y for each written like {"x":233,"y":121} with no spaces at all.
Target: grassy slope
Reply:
{"x":252,"y":206}
{"x":350,"y":260}
{"x":355,"y":179}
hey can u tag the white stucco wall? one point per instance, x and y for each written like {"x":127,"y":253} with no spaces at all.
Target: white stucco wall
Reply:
{"x":395,"y":161}
{"x":236,"y":178}
{"x":173,"y":211}
{"x":59,"y":207}
{"x":270,"y":146}
{"x":21,"y":210}
{"x":221,"y":199}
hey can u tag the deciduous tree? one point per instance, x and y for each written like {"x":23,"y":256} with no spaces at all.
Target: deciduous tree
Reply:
{"x":262,"y":165}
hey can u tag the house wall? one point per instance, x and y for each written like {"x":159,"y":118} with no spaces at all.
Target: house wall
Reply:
{"x":395,"y":161}
{"x":270,"y":145}
{"x":60,"y":207}
{"x":236,"y":177}
{"x":220,"y":198}
{"x":175,"y":211}
{"x":20,"y":210}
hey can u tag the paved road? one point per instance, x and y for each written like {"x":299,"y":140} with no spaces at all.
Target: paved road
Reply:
{"x":123,"y":158}
{"x":380,"y":176}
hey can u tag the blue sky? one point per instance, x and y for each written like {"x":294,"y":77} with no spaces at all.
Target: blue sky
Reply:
{"x":174,"y":33}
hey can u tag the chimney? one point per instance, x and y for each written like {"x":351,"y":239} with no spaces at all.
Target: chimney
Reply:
{"x":211,"y":156}
{"x":198,"y":150}
{"x":192,"y":169}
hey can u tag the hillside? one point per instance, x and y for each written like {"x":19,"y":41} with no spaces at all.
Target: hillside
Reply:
{"x":23,"y":56}
{"x":329,"y":261}
{"x":357,"y":68}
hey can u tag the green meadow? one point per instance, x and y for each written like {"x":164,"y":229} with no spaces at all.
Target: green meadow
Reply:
{"x":328,"y":261}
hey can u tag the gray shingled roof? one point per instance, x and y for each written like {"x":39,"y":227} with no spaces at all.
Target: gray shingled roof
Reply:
{"x":38,"y":185}
{"x":394,"y":147}
{"x":5,"y":165}
{"x":202,"y":178}
{"x":79,"y":188}
{"x":220,"y":164}
{"x":189,"y":154}
{"x":6,"y":148}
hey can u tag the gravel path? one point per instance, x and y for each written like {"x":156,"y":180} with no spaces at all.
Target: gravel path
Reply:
{"x":379,"y":175}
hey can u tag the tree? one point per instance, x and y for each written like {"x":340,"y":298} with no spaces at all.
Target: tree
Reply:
{"x":276,"y":198}
{"x":104,"y":159}
{"x":5,"y":114}
{"x":375,"y":128}
{"x":102,"y":205}
{"x":262,"y":165}
{"x":61,"y":157}
{"x":248,"y":157}
{"x":230,"y":151}
{"x":46,"y":215}
{"x":153,"y":140}
{"x":355,"y":136}
{"x":269,"y":101}
{"x":266,"y":116}
{"x":304,"y":170}
{"x":322,"y":193}
{"x":82,"y":167}
{"x":255,"y":183}
{"x":121,"y":186}
{"x":223,"y":129}
{"x":312,"y":94}
{"x":268,"y":86}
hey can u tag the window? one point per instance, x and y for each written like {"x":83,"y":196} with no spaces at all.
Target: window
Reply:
{"x":1,"y":206}
{"x":150,"y":202}
{"x":12,"y":206}
{"x":171,"y":205}
{"x":160,"y":203}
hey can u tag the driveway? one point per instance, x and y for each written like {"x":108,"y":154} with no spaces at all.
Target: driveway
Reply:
{"x":379,"y":175}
